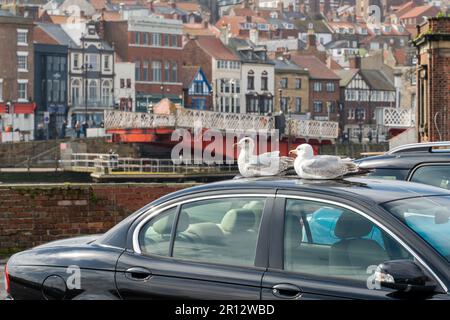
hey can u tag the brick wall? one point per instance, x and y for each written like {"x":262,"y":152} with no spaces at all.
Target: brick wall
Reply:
{"x":32,"y":215}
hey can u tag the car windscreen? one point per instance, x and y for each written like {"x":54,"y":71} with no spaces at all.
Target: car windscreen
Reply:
{"x":429,"y":217}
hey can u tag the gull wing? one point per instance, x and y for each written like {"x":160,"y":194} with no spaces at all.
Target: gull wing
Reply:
{"x":323,"y":166}
{"x":264,"y":158}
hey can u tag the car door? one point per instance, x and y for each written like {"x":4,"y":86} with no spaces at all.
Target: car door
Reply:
{"x":322,"y":249}
{"x":211,"y":247}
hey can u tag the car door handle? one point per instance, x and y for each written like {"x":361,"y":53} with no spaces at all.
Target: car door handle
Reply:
{"x":286,"y":291}
{"x":138,"y":274}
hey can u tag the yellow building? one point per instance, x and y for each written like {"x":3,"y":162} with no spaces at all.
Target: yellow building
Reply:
{"x":291,"y":87}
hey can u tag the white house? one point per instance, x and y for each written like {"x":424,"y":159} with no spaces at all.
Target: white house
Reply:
{"x":124,"y":86}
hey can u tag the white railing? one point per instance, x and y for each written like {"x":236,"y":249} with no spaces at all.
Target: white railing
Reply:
{"x":394,"y":117}
{"x":187,"y":118}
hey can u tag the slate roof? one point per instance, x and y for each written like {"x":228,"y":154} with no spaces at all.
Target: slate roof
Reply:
{"x":56,"y":32}
{"x":346,"y":76}
{"x":377,"y":80}
{"x":317,"y":69}
{"x":287,"y":65}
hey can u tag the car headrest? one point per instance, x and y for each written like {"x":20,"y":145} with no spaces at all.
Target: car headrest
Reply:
{"x":351,"y":225}
{"x":164,"y":225}
{"x":293,"y":231}
{"x":208,"y":232}
{"x":238,"y":220}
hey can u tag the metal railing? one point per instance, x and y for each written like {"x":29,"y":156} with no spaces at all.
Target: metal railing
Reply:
{"x":187,"y":118}
{"x":106,"y":163}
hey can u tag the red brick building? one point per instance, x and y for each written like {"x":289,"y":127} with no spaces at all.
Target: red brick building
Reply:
{"x":323,"y":88}
{"x":154,"y":45}
{"x":16,"y":70}
{"x":433,"y":80}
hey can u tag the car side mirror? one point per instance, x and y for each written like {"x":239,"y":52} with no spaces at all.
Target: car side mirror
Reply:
{"x":403,"y":276}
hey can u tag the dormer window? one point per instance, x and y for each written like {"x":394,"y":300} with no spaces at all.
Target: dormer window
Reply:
{"x":351,"y":30}
{"x":377,"y":31}
{"x":363,"y":31}
{"x":288,"y":26}
{"x":387,"y":29}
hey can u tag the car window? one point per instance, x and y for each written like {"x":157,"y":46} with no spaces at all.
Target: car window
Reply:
{"x":388,"y":174}
{"x":327,"y":240}
{"x":219,"y":231}
{"x":435,"y":175}
{"x":154,"y":237}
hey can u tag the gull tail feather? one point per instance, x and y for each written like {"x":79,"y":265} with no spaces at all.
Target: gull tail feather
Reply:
{"x":350,"y":165}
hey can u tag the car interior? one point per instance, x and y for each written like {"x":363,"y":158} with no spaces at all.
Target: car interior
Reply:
{"x":221,"y":232}
{"x":335,"y":243}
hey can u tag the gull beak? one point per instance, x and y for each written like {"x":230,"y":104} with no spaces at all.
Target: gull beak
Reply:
{"x":293,"y":151}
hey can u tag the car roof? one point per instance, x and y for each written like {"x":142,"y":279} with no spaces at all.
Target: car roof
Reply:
{"x":403,"y":160}
{"x":365,"y":189}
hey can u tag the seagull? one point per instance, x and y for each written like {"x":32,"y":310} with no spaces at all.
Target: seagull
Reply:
{"x":309,"y":166}
{"x":265,"y":164}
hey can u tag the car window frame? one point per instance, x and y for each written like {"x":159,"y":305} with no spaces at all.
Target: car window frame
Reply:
{"x":261,"y":256}
{"x":276,"y":253}
{"x":427,"y":164}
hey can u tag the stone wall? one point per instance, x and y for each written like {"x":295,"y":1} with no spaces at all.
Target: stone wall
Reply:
{"x":35,"y":214}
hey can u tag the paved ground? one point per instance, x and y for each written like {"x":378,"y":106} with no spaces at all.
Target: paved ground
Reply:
{"x":2,"y":280}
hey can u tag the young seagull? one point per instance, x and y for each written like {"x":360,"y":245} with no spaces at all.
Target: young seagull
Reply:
{"x":265,"y":164}
{"x":309,"y":166}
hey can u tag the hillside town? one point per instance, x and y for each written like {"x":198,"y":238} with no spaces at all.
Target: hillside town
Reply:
{"x":349,"y":62}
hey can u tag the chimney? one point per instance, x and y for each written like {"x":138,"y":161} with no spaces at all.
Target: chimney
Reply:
{"x":354,"y":62}
{"x":248,"y":19}
{"x":286,"y":54}
{"x":173,"y":4}
{"x":205,"y":24}
{"x":280,"y":6}
{"x":311,"y":43}
{"x":291,"y":7}
{"x":224,"y":34}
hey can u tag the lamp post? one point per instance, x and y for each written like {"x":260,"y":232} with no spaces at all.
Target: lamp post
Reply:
{"x":85,"y":67}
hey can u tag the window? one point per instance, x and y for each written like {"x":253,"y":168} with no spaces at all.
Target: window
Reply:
{"x":156,"y":68}
{"x":174,"y":72}
{"x":22,"y":90}
{"x":264,"y":81}
{"x":154,"y":237}
{"x":55,"y":90}
{"x":137,"y":39}
{"x":76,"y":87}
{"x":360,"y":114}
{"x":435,"y":175}
{"x":214,"y":231}
{"x":22,"y":37}
{"x":145,"y":38}
{"x":166,"y":39}
{"x":284,"y":104}
{"x":198,"y":87}
{"x":317,"y":86}
{"x":93,"y":61}
{"x":137,"y":70}
{"x":284,"y":83}
{"x":318,"y":106}
{"x":156,"y":39}
{"x":106,"y":62}
{"x":330,"y":86}
{"x":76,"y":60}
{"x":298,"y":83}
{"x":106,"y":93}
{"x":251,"y":80}
{"x":298,"y":104}
{"x":330,"y":241}
{"x":145,"y":71}
{"x":167,"y":71}
{"x":428,"y":217}
{"x":22,"y":61}
{"x":174,"y":42}
{"x":93,"y":90}
{"x":128,"y":83}
{"x":122,"y":83}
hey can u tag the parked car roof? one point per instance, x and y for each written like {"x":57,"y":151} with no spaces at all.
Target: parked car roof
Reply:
{"x":369,"y":190}
{"x":408,"y":156}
